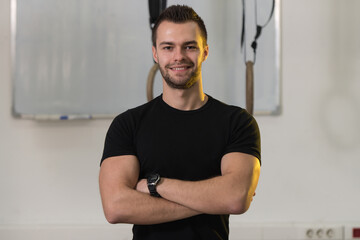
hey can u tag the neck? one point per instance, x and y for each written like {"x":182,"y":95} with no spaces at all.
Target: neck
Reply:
{"x":185,"y":99}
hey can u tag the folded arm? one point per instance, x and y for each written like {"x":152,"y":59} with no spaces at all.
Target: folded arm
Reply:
{"x":123,"y":204}
{"x":230,"y":193}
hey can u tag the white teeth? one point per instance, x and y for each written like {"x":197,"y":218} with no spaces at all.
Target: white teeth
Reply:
{"x":178,"y":69}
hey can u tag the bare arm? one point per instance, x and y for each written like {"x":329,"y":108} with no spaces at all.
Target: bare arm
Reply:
{"x":230,"y":193}
{"x":123,"y":204}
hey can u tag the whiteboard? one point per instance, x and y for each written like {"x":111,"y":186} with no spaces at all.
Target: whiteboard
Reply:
{"x":90,"y":58}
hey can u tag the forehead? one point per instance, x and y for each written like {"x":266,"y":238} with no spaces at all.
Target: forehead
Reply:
{"x":178,"y":32}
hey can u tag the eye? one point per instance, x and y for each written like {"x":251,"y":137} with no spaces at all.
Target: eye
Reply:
{"x":167,"y":47}
{"x":191,"y":47}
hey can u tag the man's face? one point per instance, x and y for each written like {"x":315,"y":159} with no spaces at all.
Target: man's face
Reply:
{"x":179,"y":52}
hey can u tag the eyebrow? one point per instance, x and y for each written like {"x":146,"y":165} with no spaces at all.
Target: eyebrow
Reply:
{"x":186,"y":43}
{"x":166,"y":43}
{"x":191,"y":42}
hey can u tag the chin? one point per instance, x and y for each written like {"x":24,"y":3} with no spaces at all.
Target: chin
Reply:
{"x":180,"y":85}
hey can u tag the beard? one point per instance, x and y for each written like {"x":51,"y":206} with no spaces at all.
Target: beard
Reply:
{"x":187,"y":80}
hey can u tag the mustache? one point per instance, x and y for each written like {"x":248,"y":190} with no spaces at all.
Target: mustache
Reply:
{"x":190,"y":64}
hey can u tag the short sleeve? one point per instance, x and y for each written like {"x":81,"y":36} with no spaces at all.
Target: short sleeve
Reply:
{"x":244,"y":134}
{"x":120,"y":137}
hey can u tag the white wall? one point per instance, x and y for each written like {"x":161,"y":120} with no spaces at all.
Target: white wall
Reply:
{"x":310,"y":172}
{"x":311,"y":152}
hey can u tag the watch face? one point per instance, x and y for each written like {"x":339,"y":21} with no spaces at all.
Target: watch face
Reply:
{"x":153,"y":179}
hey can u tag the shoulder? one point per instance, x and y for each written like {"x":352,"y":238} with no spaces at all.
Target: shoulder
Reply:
{"x":243,"y":128}
{"x":136,"y":113}
{"x":127,"y":122}
{"x":231,"y":111}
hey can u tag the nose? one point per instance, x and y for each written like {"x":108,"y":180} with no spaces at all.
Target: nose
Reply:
{"x":179,"y":54}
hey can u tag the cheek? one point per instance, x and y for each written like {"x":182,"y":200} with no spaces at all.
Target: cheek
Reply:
{"x":161,"y":61}
{"x":199,"y":60}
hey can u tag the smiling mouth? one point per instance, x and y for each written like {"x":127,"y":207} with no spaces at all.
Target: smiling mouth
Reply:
{"x":179,"y":68}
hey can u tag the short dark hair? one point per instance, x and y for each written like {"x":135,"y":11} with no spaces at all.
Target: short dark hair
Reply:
{"x":179,"y":14}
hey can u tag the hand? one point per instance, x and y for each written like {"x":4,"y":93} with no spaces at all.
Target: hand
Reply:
{"x":141,"y":186}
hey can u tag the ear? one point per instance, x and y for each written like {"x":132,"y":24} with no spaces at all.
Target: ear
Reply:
{"x":206,"y":53}
{"x":154,"y":54}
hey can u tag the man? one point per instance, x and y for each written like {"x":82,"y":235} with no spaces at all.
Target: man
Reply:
{"x":177,"y":166}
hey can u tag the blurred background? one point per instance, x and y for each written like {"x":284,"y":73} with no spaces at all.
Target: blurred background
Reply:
{"x":309,"y":184}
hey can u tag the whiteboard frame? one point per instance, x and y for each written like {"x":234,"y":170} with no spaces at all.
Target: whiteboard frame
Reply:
{"x":277,"y":111}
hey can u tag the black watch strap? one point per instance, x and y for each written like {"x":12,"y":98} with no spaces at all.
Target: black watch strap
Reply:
{"x":152,"y":181}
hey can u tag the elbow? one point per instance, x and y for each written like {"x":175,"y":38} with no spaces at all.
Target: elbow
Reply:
{"x":237,"y":208}
{"x":116,"y":215}
{"x":112,"y":218}
{"x":238,"y":204}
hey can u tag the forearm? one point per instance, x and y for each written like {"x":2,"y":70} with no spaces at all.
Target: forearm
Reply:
{"x":131,"y":206}
{"x":123,"y":204}
{"x":218,"y":195}
{"x":230,"y":193}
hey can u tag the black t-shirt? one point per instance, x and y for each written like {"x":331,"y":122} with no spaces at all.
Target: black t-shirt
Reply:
{"x":185,"y":145}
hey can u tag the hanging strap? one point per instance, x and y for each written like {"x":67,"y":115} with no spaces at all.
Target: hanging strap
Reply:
{"x":258,"y":27}
{"x":250,"y":64}
{"x":250,"y":87}
{"x":243,"y":26}
{"x":155,"y":8}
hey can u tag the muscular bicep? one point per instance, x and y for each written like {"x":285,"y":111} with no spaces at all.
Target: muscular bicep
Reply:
{"x":119,"y":170}
{"x":242,"y":164}
{"x":244,"y":170}
{"x":117,"y":175}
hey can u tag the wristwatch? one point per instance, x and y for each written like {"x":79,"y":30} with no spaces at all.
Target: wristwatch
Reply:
{"x":152,"y":181}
